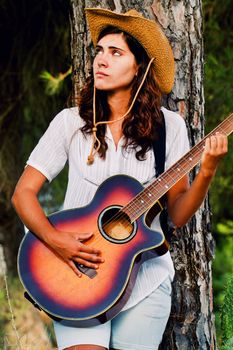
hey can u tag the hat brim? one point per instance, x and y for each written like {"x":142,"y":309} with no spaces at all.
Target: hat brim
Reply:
{"x":147,"y":32}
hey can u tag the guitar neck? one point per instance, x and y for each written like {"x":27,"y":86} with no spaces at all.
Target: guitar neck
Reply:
{"x":150,"y":195}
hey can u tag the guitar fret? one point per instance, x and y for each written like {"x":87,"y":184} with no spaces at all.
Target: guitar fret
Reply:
{"x":146,"y":198}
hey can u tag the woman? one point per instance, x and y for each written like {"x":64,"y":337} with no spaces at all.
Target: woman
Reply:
{"x":114,"y":127}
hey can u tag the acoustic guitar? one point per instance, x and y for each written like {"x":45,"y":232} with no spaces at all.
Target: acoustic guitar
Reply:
{"x":119,"y":215}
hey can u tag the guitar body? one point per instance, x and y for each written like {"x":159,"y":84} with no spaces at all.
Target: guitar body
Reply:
{"x":99,"y":294}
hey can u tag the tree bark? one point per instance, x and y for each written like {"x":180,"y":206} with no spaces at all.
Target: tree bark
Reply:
{"x":191,"y":324}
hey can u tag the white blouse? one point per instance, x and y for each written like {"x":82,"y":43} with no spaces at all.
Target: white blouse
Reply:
{"x":63,"y":141}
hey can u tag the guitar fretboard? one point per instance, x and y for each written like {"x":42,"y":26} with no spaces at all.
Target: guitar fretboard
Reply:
{"x":150,"y":195}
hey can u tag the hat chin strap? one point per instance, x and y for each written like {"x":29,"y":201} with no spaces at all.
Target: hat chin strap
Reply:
{"x":94,"y":151}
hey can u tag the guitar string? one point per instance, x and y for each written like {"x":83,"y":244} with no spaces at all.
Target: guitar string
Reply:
{"x":120,"y":216}
{"x":137,"y":208}
{"x":152,"y":190}
{"x":186,"y":160}
{"x":158,"y":189}
{"x":126,"y":209}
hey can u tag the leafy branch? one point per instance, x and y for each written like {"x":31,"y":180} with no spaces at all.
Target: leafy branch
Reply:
{"x":53,"y":84}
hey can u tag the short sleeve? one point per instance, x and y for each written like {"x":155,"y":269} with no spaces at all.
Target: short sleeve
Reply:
{"x":50,"y":154}
{"x":177,"y":142}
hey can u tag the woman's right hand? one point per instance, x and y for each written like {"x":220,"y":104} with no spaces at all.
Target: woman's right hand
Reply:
{"x":68,"y":245}
{"x":71,"y":248}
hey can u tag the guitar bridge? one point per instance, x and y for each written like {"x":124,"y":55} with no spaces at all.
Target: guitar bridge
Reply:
{"x":89,"y":272}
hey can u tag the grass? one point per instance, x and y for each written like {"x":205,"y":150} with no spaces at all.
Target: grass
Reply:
{"x":22,"y":327}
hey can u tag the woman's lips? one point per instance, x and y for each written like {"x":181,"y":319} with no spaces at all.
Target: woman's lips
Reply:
{"x":101,"y":74}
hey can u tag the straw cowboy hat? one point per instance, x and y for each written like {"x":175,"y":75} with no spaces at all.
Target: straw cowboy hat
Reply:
{"x":147,"y":32}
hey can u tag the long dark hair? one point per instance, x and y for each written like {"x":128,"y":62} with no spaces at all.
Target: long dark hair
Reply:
{"x":140,"y":126}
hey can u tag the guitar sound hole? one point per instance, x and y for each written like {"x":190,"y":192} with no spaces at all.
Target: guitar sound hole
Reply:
{"x":115,"y":225}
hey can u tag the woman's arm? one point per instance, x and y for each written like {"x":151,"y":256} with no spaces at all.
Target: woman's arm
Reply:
{"x":68,"y":245}
{"x":183,"y":201}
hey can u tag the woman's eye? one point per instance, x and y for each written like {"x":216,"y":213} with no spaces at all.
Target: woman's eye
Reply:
{"x":98,"y":52}
{"x":116,"y":53}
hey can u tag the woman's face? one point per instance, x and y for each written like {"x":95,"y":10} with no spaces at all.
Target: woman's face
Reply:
{"x":114,"y":65}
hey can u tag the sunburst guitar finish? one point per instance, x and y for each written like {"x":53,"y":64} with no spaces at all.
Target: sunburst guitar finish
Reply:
{"x":99,"y":294}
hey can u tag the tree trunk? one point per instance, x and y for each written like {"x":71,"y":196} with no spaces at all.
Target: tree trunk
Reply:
{"x":191,"y":324}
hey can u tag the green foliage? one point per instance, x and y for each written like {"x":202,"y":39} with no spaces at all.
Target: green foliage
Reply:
{"x":222,"y":266}
{"x":218,"y":41}
{"x":227,"y":315}
{"x":228,"y":345}
{"x":222,"y":272}
{"x":54,"y":84}
{"x":225,"y":228}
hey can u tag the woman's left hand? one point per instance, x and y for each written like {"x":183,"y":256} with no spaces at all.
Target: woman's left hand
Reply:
{"x":216,"y":146}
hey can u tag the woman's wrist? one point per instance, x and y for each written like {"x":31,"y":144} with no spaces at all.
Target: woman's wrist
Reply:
{"x":206,"y":173}
{"x":50,"y":236}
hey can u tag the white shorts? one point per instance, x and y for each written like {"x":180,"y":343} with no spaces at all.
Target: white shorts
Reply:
{"x":140,"y":327}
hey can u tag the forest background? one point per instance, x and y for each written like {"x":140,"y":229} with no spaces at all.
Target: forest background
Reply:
{"x":36,"y":84}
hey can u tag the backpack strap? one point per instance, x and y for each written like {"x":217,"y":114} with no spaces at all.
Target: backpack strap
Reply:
{"x":159,"y":148}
